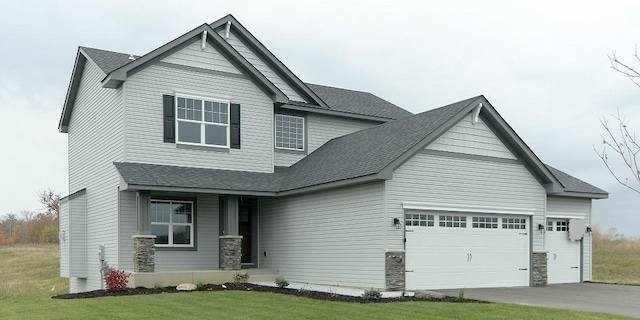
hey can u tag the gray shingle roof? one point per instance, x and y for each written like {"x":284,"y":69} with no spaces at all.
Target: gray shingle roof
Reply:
{"x":573,"y":184}
{"x":359,"y":154}
{"x":107,"y":60}
{"x":358,"y":102}
{"x":197,"y":178}
{"x":368,"y":151}
{"x":342,"y":100}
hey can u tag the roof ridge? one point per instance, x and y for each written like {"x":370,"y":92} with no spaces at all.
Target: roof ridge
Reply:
{"x":333,"y":87}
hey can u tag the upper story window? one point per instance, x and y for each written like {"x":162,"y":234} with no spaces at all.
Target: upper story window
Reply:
{"x":289,"y":132}
{"x":202,"y":121}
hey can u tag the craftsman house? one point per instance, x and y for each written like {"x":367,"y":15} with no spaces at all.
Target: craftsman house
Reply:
{"x":208,"y":155}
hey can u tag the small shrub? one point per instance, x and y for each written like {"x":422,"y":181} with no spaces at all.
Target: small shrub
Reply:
{"x":199,"y":285}
{"x":281,"y":282}
{"x":461,"y":294}
{"x":333,"y":293}
{"x":116,"y":280}
{"x":241,"y":277}
{"x":372,"y":294}
{"x":157,"y":286}
{"x":304,"y":289}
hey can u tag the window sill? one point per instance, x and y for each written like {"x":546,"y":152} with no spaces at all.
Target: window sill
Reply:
{"x":176,"y":248}
{"x":290,"y":151}
{"x":202,"y":148}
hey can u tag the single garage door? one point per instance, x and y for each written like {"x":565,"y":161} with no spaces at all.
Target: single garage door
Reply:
{"x":563,"y":255}
{"x":450,"y":250}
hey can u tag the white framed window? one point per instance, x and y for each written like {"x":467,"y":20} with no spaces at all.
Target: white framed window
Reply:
{"x":514,"y":223}
{"x":289,"y":132}
{"x":419,"y":220}
{"x":562,"y":226}
{"x":202,"y":121}
{"x":172,"y":223}
{"x":453,"y":221}
{"x":549,"y":225}
{"x":485,"y":223}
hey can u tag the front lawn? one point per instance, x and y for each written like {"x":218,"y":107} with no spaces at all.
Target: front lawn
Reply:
{"x":258,"y":305}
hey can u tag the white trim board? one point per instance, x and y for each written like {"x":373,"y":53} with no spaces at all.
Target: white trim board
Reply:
{"x":564,"y":216}
{"x":469,"y":209}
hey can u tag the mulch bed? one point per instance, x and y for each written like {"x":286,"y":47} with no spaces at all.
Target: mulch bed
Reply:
{"x":254,"y":287}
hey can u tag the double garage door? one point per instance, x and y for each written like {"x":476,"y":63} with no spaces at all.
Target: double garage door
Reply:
{"x":450,"y":250}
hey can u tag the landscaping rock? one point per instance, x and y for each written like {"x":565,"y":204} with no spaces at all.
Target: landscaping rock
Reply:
{"x":423,"y":294}
{"x":186,"y":287}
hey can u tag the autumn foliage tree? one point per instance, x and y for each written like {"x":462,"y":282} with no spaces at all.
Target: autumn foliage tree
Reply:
{"x":32,"y":227}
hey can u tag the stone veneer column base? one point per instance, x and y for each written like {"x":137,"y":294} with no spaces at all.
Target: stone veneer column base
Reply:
{"x":144,"y":251}
{"x":394,"y":270}
{"x":230,"y":252}
{"x":539,"y":268}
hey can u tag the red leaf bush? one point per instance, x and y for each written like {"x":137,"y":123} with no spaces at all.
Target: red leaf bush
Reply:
{"x":116,"y":280}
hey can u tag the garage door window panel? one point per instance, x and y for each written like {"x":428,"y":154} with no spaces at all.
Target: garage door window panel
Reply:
{"x":514,"y":223}
{"x":452,"y":221}
{"x":485,"y":223}
{"x":419,"y":220}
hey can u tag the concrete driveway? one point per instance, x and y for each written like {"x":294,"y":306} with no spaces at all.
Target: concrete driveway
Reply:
{"x":594,"y":297}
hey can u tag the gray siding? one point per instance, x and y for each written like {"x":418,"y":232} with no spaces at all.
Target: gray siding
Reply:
{"x":443,"y":181}
{"x":330,"y":237}
{"x":78,"y":237}
{"x":209,"y":58}
{"x":261,"y":66}
{"x":466,"y":137}
{"x":63,"y":238}
{"x":579,"y":208}
{"x":95,"y":141}
{"x":321,"y":129}
{"x":207,"y":230}
{"x":128,"y":227}
{"x":144,"y":126}
{"x":206,"y":236}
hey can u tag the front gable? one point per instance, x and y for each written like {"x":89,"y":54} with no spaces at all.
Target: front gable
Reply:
{"x":197,"y":56}
{"x":470,"y":137}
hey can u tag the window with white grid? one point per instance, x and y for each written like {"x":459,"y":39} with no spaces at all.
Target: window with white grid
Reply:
{"x":514,"y":223}
{"x":485,"y":223}
{"x":452,"y":221}
{"x":289,"y":132}
{"x":419,"y":220}
{"x":562,"y":225}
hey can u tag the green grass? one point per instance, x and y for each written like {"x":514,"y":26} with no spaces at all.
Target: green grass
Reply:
{"x":617,"y":266}
{"x":29,"y":271}
{"x":27,"y":274}
{"x":255,"y":305}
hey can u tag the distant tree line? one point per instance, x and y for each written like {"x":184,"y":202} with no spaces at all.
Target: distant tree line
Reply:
{"x":32,"y":227}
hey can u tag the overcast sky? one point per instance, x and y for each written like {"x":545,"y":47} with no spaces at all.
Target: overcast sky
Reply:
{"x":543,"y":66}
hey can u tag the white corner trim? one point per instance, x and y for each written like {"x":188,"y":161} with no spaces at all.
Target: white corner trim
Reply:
{"x":564,"y":216}
{"x":465,"y":208}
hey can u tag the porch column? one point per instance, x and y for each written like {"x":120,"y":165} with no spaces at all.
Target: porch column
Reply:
{"x":144,"y":203}
{"x":231,"y":242}
{"x":144,"y":251}
{"x":231,"y":216}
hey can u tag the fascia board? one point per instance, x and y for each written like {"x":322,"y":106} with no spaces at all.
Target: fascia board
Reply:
{"x":269,"y":57}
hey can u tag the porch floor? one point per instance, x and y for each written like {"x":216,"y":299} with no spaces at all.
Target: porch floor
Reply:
{"x":174,"y":278}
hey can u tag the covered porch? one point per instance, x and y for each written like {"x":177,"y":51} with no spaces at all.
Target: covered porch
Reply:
{"x":180,"y":224}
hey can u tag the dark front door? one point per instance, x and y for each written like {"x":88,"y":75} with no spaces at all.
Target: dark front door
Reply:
{"x":245,"y":229}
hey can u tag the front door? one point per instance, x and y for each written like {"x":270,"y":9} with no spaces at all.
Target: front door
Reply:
{"x":246,"y":228}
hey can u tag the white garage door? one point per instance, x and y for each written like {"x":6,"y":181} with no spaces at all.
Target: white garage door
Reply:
{"x":448,"y":250}
{"x":563,"y":255}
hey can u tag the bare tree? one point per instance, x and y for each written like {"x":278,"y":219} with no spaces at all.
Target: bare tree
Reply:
{"x":51,"y":202}
{"x":618,"y":141}
{"x":628,"y":69}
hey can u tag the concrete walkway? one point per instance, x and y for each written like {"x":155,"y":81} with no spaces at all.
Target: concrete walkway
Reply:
{"x":593,"y":297}
{"x":346,"y":291}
